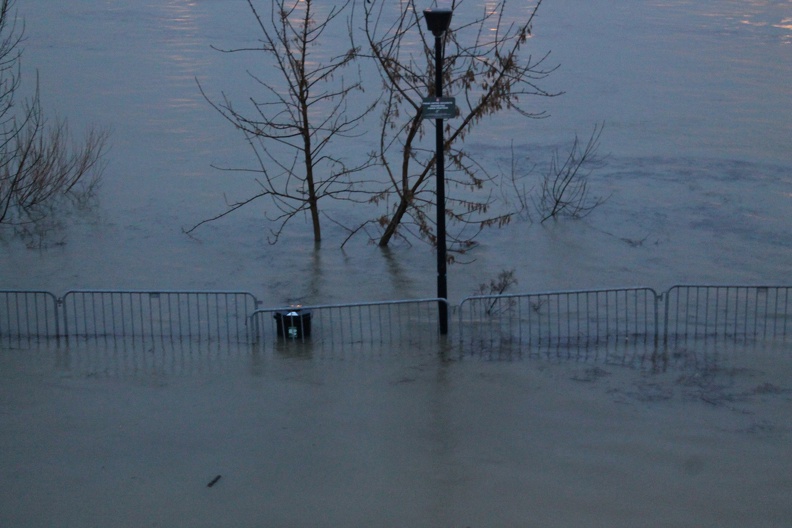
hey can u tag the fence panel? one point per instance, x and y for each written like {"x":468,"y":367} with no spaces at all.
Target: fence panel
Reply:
{"x":386,"y":323}
{"x":551,"y":319}
{"x":560,"y":319}
{"x":28,"y":314}
{"x":203,"y":316}
{"x":732,"y":312}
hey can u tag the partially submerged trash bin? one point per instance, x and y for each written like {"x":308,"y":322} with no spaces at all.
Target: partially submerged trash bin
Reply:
{"x":294,"y":323}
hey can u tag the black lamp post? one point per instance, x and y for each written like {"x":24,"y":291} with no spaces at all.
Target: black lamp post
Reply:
{"x":437,"y":21}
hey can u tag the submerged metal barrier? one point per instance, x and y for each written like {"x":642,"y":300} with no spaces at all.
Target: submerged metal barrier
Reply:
{"x":388,"y":322}
{"x":28,"y":313}
{"x":208,"y":316}
{"x":732,"y":312}
{"x":569,"y":318}
{"x":585,"y":318}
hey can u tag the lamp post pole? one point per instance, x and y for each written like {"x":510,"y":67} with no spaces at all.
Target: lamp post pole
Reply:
{"x":437,"y":21}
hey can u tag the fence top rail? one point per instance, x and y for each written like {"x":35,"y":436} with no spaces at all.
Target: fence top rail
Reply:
{"x":734,"y":286}
{"x":403,"y":301}
{"x":556,"y":292}
{"x":198,"y":292}
{"x":35,"y":292}
{"x":348,"y":305}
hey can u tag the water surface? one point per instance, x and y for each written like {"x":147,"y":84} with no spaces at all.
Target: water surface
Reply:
{"x":695,"y":101}
{"x":697,"y":126}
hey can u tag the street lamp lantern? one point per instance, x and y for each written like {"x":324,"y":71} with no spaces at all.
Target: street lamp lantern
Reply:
{"x":437,"y":21}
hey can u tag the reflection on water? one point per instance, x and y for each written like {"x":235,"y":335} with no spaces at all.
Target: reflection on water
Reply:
{"x":143,"y":359}
{"x":769,"y":15}
{"x":786,"y":23}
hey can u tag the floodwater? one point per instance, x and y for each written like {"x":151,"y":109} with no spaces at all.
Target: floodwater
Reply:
{"x":392,"y":438}
{"x":695,"y":99}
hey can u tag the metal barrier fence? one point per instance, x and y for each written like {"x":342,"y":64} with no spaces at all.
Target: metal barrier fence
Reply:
{"x":28,"y":313}
{"x":732,"y":312}
{"x":411,"y":322}
{"x":207,"y":316}
{"x":588,"y":318}
{"x":560,"y":319}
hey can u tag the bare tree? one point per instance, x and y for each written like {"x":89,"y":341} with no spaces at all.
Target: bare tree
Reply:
{"x":564,"y":189}
{"x":486,"y":69}
{"x":39,"y":165}
{"x":302,"y":113}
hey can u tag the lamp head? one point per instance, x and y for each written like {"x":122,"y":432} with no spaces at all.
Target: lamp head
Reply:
{"x":438,"y":20}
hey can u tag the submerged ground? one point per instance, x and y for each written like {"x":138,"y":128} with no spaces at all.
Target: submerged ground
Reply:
{"x":114,"y":436}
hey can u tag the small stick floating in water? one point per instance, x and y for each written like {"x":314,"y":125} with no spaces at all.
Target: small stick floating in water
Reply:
{"x":213,"y":481}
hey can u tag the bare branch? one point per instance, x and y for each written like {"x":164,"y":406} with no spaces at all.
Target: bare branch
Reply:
{"x":302,"y":108}
{"x":40,"y":168}
{"x":488,"y":74}
{"x":564,"y":190}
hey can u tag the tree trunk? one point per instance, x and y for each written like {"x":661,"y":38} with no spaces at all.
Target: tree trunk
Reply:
{"x":394,"y":222}
{"x":313,"y":204}
{"x":406,"y":196}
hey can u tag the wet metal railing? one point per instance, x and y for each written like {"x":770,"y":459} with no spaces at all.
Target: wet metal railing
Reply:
{"x":732,"y":312}
{"x":207,"y":316}
{"x":388,"y":322}
{"x":586,"y":318}
{"x":568,"y":318}
{"x":28,"y":314}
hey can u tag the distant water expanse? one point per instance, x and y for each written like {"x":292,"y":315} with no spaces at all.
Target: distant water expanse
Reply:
{"x":694,"y":98}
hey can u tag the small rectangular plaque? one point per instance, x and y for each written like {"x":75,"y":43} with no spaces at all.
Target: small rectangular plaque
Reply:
{"x":439,"y":108}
